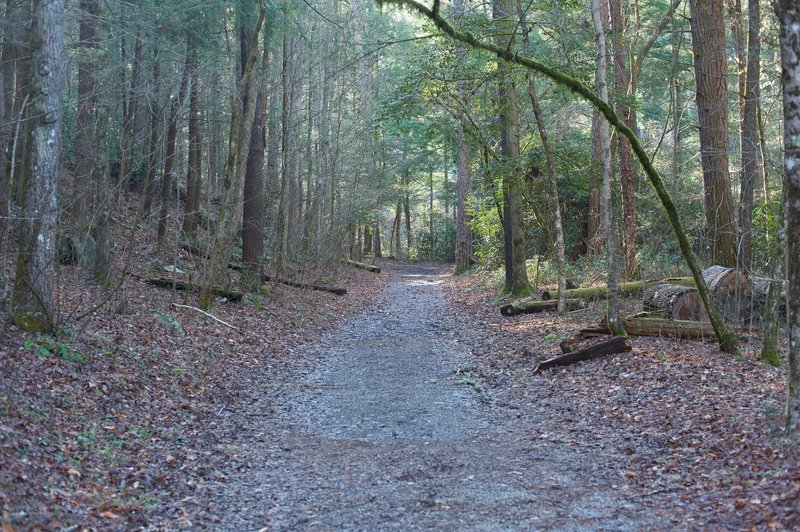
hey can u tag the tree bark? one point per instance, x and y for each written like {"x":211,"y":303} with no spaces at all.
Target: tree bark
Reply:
{"x":191,"y":211}
{"x":33,"y":303}
{"x":751,"y":163}
{"x":612,"y":310}
{"x":168,"y":177}
{"x":708,"y":43}
{"x":515,"y":254}
{"x":253,"y":209}
{"x":625,"y":158}
{"x":235,"y":168}
{"x":85,"y":154}
{"x":789,"y":15}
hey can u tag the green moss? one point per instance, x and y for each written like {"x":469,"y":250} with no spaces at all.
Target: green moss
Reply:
{"x":30,"y":322}
{"x":770,"y":355}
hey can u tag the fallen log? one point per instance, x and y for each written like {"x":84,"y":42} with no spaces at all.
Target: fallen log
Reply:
{"x":617,"y":344}
{"x":528,"y":306}
{"x":674,"y":302}
{"x":649,"y":325}
{"x":165,"y":282}
{"x":363,"y":266}
{"x":332,"y":289}
{"x":731,"y":290}
{"x":597,"y":292}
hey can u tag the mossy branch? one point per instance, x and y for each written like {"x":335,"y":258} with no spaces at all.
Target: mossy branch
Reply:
{"x":727,"y":341}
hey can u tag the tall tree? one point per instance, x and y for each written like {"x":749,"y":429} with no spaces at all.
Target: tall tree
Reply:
{"x":598,"y":20}
{"x":551,"y":169}
{"x":710,"y":60}
{"x":624,"y":155}
{"x":788,"y":13}
{"x":464,"y":176}
{"x":515,"y":255}
{"x":751,"y":162}
{"x":194,"y":167}
{"x":33,"y":301}
{"x":253,"y":209}
{"x":85,"y":154}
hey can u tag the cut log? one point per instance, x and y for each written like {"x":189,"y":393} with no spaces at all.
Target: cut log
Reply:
{"x":674,"y":302}
{"x":617,"y":344}
{"x":363,"y":266}
{"x":731,"y":290}
{"x":597,"y":292}
{"x":322,"y":288}
{"x":529,"y":306}
{"x":165,"y":282}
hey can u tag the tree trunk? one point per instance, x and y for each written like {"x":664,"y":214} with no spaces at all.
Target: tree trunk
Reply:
{"x":33,"y":304}
{"x":253,"y":209}
{"x":464,"y":176}
{"x":191,"y":212}
{"x":153,"y":144}
{"x":235,"y":168}
{"x":85,"y":155}
{"x":376,"y":237}
{"x":551,"y":170}
{"x":626,"y":175}
{"x":708,"y":43}
{"x":612,"y":310}
{"x":168,"y":177}
{"x":131,"y":118}
{"x":515,"y":254}
{"x":16,"y":79}
{"x":751,"y":164}
{"x":789,"y":15}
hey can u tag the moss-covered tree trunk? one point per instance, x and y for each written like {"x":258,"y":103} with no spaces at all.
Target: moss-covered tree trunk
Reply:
{"x":515,"y":254}
{"x":33,"y":303}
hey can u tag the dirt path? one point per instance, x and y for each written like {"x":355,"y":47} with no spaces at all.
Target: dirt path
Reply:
{"x":390,"y":425}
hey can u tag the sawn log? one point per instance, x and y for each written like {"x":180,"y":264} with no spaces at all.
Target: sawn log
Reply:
{"x":597,"y":292}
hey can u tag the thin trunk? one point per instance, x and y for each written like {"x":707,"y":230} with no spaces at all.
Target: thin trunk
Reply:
{"x":85,"y":154}
{"x":131,"y":117}
{"x":168,"y":176}
{"x":612,"y":308}
{"x":464,"y":185}
{"x":16,"y":64}
{"x":551,"y":170}
{"x":430,"y":212}
{"x":191,"y":212}
{"x":153,"y":144}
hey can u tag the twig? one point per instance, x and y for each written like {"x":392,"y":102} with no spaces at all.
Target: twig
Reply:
{"x":226,"y":324}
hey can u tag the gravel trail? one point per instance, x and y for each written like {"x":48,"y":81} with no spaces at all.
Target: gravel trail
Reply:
{"x":389,"y":425}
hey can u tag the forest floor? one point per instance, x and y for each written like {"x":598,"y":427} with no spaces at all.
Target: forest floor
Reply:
{"x":408,"y":403}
